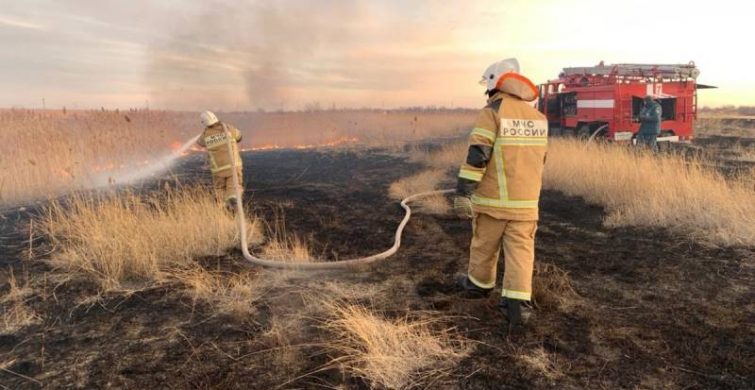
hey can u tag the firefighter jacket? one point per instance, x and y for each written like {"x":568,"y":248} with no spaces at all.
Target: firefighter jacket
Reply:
{"x":650,"y":119}
{"x":214,"y":139}
{"x":504,"y":165}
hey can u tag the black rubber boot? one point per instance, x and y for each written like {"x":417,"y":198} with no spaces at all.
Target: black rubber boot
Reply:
{"x":516,"y":312}
{"x":469,"y":289}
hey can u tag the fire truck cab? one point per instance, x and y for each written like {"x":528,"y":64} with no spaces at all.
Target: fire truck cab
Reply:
{"x":605,"y":100}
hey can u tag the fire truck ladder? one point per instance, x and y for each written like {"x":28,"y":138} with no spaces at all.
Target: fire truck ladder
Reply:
{"x":671,"y":71}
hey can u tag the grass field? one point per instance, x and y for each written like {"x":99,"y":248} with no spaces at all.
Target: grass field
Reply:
{"x":637,"y":189}
{"x":48,"y":153}
{"x":641,"y":281}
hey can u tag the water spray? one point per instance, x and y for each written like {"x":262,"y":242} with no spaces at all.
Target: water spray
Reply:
{"x":162,"y":164}
{"x":300,"y":264}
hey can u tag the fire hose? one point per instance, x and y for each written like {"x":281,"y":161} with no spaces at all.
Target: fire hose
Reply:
{"x":303,"y":264}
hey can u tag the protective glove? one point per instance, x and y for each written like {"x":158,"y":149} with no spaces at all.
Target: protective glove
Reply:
{"x":463,"y":207}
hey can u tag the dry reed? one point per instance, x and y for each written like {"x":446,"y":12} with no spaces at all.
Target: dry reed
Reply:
{"x":49,"y":153}
{"x":284,"y":246}
{"x":123,"y":237}
{"x":637,"y":189}
{"x":640,"y":189}
{"x":394,"y":354}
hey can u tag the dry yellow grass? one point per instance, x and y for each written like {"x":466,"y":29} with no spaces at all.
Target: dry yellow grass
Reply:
{"x":123,"y":237}
{"x":393,"y":354}
{"x":542,"y":362}
{"x":49,"y":153}
{"x":233,"y":294}
{"x":14,"y":312}
{"x":424,"y":181}
{"x":421,"y":182}
{"x":639,"y":189}
{"x":552,"y":287}
{"x":381,"y":128}
{"x":285,"y":247}
{"x":449,"y":155}
{"x":288,"y":249}
{"x":726,"y":124}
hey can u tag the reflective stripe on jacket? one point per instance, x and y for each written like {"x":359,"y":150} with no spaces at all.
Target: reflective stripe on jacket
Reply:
{"x":214,"y":139}
{"x":509,"y":182}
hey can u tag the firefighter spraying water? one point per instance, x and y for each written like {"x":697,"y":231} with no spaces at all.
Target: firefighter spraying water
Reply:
{"x":130,"y":175}
{"x":499,"y":187}
{"x":221,"y":140}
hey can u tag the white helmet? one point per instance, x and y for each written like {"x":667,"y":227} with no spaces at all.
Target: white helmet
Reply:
{"x":494,"y":72}
{"x":208,"y":118}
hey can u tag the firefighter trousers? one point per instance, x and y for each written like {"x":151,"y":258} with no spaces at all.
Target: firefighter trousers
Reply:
{"x":649,"y":141}
{"x":223,"y":185}
{"x":517,"y":238}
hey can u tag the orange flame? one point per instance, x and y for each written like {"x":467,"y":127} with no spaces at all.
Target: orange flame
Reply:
{"x":336,"y":142}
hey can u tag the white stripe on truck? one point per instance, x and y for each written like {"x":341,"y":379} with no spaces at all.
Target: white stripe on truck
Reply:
{"x":599,"y":103}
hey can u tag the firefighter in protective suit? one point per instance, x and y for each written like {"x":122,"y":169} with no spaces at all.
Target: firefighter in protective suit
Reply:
{"x":499,"y":188}
{"x":215,"y":140}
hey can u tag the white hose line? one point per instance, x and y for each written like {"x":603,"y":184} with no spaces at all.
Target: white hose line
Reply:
{"x":306,"y":264}
{"x":595,"y":133}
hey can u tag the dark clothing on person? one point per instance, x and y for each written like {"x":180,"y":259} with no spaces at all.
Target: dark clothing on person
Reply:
{"x":650,"y":124}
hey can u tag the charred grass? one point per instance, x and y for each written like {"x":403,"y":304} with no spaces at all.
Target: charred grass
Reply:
{"x":617,"y":307}
{"x":15,"y":313}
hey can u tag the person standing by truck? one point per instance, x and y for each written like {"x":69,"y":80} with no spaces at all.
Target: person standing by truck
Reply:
{"x":215,"y":140}
{"x":499,"y":188}
{"x":650,"y":124}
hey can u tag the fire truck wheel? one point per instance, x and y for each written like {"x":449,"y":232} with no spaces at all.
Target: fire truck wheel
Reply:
{"x":584,"y":132}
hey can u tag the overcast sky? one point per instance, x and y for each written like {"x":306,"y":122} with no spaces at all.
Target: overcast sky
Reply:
{"x":226,"y":54}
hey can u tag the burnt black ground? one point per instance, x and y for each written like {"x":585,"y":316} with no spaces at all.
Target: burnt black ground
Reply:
{"x":650,"y":309}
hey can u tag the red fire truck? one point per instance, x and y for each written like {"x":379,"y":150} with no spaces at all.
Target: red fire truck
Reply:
{"x":605,"y":100}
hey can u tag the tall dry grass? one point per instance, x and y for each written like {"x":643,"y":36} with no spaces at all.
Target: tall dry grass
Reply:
{"x":393,"y":354}
{"x":725,"y":124}
{"x":121,"y":238}
{"x":640,"y":189}
{"x":48,"y":153}
{"x":284,"y":246}
{"x":449,"y":155}
{"x":637,"y":189}
{"x":365,"y":127}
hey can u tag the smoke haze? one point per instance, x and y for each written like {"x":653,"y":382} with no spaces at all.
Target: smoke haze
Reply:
{"x":288,"y":54}
{"x":277,"y":50}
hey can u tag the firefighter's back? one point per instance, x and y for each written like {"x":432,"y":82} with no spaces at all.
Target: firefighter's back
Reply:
{"x":217,"y":143}
{"x":510,"y":188}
